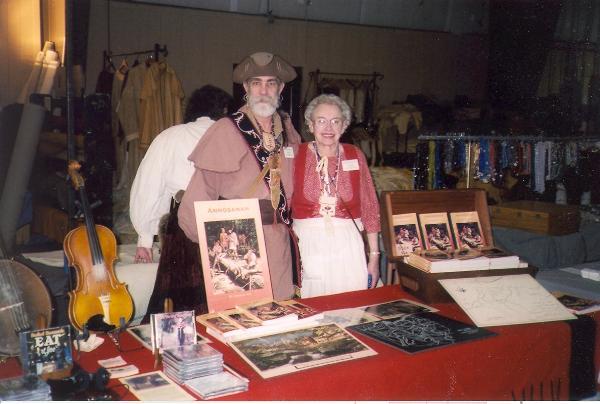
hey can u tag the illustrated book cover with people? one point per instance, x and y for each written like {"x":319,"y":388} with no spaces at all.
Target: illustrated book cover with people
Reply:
{"x":421,"y":331}
{"x":170,"y":330}
{"x":233,"y":253}
{"x":300,"y":349}
{"x":467,"y":230}
{"x":46,"y":351}
{"x":407,"y":237}
{"x":269,"y":312}
{"x":435,"y":228}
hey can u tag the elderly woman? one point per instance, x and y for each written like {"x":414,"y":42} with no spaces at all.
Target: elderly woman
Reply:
{"x":334,"y":200}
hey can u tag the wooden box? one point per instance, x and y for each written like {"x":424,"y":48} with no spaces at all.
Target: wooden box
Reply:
{"x":425,"y":285}
{"x":50,"y":222}
{"x":537,"y":217}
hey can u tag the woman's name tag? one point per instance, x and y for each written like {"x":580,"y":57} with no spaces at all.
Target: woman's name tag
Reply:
{"x":350,"y":165}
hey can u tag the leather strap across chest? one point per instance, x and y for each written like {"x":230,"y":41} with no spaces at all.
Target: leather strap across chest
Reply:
{"x":253,"y":139}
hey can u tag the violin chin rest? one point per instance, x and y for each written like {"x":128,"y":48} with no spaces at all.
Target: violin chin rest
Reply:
{"x":96,"y":323}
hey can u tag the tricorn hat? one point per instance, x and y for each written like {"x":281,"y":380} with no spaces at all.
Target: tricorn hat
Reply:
{"x":263,"y":64}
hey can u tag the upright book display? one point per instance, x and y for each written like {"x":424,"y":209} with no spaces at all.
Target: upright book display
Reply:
{"x":420,"y":283}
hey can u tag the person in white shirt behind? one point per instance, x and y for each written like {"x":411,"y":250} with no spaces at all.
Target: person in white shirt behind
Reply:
{"x":162,"y":176}
{"x":165,"y":168}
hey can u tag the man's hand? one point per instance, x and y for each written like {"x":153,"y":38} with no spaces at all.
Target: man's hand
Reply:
{"x":143,"y":255}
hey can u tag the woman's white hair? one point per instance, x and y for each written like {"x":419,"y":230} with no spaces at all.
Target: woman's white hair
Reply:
{"x":330,"y":99}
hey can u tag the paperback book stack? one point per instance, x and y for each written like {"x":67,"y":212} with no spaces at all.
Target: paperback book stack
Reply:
{"x":24,"y":388}
{"x":191,"y":361}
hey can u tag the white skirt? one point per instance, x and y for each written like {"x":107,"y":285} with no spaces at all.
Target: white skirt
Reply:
{"x":333,"y":257}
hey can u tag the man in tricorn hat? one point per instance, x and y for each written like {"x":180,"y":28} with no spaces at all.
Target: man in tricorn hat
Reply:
{"x":250,"y":154}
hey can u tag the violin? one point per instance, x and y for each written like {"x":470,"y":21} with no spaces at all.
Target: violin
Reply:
{"x":99,"y":301}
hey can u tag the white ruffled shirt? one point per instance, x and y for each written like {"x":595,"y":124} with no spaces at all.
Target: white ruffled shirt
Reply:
{"x":164,"y":171}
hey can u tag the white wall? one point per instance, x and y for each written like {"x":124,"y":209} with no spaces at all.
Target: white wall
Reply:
{"x":204,"y":45}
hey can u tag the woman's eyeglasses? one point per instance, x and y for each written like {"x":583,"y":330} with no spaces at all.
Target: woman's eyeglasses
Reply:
{"x":335,"y":123}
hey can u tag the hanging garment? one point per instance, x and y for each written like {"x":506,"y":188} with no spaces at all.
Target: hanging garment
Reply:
{"x":161,"y":102}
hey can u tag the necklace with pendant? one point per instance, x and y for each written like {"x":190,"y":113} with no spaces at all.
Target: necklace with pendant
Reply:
{"x":328,"y":184}
{"x":268,"y":138}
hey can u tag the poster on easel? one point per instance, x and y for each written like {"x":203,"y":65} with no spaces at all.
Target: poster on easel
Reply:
{"x":233,"y":253}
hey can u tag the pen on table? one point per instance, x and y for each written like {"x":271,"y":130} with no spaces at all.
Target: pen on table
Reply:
{"x":235,"y":373}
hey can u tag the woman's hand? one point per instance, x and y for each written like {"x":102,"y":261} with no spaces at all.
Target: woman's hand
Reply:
{"x":143,"y":255}
{"x":373,"y":269}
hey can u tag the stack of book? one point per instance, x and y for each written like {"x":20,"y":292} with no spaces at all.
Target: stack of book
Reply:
{"x":262,"y":317}
{"x":191,"y":361}
{"x":436,"y":261}
{"x":218,"y":385}
{"x":24,"y":388}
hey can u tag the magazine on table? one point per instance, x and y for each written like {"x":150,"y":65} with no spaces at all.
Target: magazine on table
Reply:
{"x":576,"y":304}
{"x":421,"y":331}
{"x":233,"y":253}
{"x":299,"y":349}
{"x":395,"y":308}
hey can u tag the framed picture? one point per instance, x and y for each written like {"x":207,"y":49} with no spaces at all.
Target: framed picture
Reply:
{"x":467,"y":230}
{"x":436,"y":231}
{"x":170,"y":330}
{"x":407,"y":237}
{"x":300,"y":349}
{"x":233,"y":253}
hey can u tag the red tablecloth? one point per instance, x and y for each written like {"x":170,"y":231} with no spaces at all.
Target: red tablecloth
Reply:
{"x":523,"y":362}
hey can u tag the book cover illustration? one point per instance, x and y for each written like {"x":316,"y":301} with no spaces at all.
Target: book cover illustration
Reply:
{"x":233,"y":253}
{"x":47,"y":350}
{"x":421,"y":331}
{"x":436,"y":231}
{"x":218,"y":322}
{"x":269,"y":312}
{"x":302,"y":310}
{"x":397,"y":308}
{"x":407,"y":237}
{"x":467,"y":229}
{"x":296,"y":350}
{"x":241,"y":318}
{"x":577,"y":305}
{"x":174,"y":329}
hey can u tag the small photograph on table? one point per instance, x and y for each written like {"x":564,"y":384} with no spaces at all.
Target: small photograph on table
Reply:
{"x":155,"y":386}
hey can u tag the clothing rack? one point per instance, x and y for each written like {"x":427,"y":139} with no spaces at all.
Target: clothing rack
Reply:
{"x":470,"y":139}
{"x":374,"y":75}
{"x":156,"y":51}
{"x":524,"y":138}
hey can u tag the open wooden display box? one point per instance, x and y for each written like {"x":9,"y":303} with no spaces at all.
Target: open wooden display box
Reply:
{"x":422,"y":284}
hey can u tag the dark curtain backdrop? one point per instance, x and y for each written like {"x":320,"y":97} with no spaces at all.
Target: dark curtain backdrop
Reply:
{"x":521,"y":34}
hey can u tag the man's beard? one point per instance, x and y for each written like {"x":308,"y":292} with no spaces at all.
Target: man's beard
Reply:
{"x":262,"y":105}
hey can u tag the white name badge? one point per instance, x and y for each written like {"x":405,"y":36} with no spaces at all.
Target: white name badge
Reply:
{"x":288,"y":152}
{"x":350,"y":165}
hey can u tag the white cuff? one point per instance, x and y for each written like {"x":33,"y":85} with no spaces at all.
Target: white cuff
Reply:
{"x":145,"y":241}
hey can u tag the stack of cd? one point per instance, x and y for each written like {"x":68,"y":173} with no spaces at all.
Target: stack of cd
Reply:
{"x":191,"y":361}
{"x":217,"y":385}
{"x":24,"y":388}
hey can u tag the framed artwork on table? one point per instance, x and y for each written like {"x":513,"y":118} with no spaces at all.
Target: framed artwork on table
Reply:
{"x":233,"y":253}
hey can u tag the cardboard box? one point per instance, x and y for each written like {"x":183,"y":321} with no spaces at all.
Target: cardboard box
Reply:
{"x":537,"y":217}
{"x":423,"y":285}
